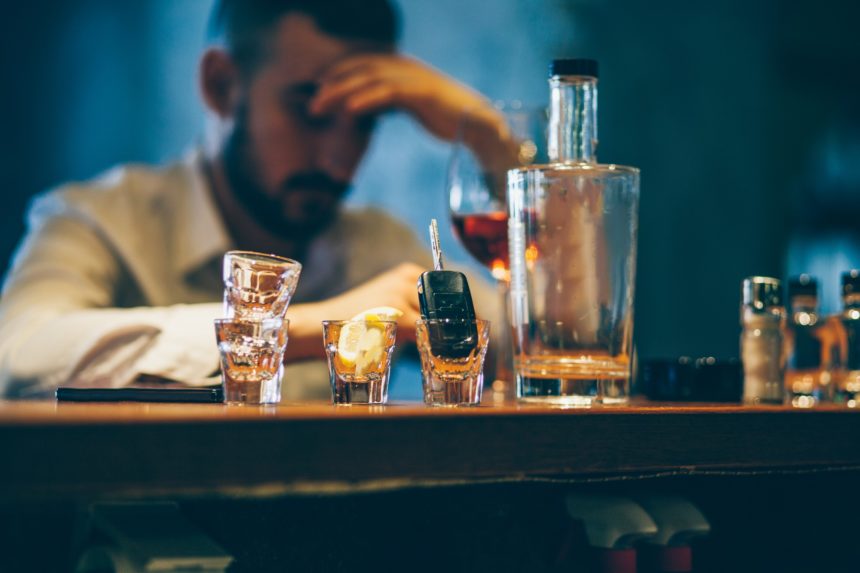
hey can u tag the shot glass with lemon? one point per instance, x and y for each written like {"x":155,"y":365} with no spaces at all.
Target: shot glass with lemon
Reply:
{"x":359,"y":355}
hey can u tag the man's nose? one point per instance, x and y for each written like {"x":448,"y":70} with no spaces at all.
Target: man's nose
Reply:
{"x":340,"y":147}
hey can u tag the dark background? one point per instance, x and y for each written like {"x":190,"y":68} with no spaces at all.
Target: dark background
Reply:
{"x":744,"y":118}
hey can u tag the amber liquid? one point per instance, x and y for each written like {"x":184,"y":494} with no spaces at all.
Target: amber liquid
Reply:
{"x":574,"y":380}
{"x":250,"y":386}
{"x":485,"y":236}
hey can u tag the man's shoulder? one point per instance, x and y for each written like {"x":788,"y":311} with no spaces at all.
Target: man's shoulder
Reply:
{"x":124,"y":189}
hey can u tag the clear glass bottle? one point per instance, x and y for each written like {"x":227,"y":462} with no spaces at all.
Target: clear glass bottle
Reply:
{"x":762,"y":341}
{"x":807,"y":382}
{"x":572,"y":233}
{"x":848,"y":377}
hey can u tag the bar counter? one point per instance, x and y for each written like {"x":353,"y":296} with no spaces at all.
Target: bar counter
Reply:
{"x":58,"y":451}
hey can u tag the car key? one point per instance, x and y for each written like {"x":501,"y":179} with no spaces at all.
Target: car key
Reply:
{"x":445,"y":295}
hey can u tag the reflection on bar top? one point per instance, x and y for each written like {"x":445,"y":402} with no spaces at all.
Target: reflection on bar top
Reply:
{"x":51,"y":412}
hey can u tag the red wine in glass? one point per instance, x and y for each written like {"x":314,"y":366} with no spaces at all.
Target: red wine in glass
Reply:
{"x":485,"y":236}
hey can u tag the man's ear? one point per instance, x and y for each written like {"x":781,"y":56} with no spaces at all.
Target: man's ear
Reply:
{"x":219,"y":82}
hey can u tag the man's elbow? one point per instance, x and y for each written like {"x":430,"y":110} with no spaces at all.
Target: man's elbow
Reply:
{"x":25,"y":368}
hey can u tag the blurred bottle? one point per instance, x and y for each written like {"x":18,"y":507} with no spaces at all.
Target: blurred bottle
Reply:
{"x":762,"y":340}
{"x":807,"y":381}
{"x":847,"y":348}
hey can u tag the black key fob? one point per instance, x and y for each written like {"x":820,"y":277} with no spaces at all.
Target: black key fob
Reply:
{"x":445,"y":295}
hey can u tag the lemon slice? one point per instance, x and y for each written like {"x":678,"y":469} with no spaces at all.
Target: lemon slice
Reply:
{"x":370,"y":350}
{"x":378,"y":314}
{"x":361,"y":340}
{"x":349,"y":342}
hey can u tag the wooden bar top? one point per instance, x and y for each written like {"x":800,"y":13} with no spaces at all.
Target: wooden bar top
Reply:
{"x":104,"y":450}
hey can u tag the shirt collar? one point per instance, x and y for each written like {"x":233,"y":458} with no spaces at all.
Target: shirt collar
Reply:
{"x":200,"y":234}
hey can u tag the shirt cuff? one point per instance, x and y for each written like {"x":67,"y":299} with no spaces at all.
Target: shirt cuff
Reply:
{"x":185,"y":350}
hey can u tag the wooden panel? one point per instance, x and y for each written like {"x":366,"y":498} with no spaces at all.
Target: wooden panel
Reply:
{"x":71,"y":450}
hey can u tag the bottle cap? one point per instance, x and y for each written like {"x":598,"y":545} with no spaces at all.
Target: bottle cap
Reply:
{"x":851,"y":282}
{"x":802,"y":285}
{"x":573,"y":67}
{"x":761,"y":293}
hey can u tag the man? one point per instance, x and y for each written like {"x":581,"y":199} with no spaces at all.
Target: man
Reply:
{"x":120,"y":277}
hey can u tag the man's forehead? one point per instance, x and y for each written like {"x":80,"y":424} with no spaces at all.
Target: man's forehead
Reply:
{"x":302,"y":52}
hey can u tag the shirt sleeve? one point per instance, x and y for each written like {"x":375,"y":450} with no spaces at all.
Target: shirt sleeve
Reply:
{"x":57,"y":320}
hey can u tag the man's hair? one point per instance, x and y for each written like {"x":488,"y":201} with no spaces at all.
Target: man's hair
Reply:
{"x":245,"y":26}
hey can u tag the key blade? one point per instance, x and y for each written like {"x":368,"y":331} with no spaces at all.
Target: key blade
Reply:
{"x":434,"y":244}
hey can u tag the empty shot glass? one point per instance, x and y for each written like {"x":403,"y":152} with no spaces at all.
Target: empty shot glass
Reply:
{"x":252,"y":356}
{"x":258,"y":286}
{"x":452,"y":360}
{"x":359,"y":359}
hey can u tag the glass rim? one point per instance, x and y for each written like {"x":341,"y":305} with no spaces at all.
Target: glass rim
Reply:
{"x":566,"y":167}
{"x":264,"y":257}
{"x":452,"y":320}
{"x":342,"y":322}
{"x":244,"y":320}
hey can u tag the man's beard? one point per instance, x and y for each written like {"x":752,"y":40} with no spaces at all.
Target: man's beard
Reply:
{"x":305,"y":204}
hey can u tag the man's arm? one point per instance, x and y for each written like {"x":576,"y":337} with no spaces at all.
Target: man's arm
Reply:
{"x":57,"y":313}
{"x":56,"y":308}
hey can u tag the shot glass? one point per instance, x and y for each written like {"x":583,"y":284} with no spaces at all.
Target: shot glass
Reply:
{"x":252,"y":356}
{"x":359,"y":359}
{"x":452,"y":360}
{"x":258,"y":286}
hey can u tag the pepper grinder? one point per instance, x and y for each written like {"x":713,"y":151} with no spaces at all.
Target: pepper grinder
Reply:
{"x":762,"y":341}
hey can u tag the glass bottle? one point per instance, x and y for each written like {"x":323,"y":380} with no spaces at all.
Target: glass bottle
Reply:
{"x":572,"y":233}
{"x":762,"y":341}
{"x":848,"y":378}
{"x":807,"y":382}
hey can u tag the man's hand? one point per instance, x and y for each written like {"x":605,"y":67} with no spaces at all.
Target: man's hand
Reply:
{"x":396,"y":288}
{"x":369,"y":84}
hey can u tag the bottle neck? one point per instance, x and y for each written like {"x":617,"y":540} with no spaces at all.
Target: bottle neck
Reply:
{"x":573,"y":119}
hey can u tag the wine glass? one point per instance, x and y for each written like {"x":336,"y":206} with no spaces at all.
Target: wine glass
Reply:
{"x":489,"y":143}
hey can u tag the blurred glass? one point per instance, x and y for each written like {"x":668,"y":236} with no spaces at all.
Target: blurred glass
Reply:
{"x":476,"y":180}
{"x":476,"y":186}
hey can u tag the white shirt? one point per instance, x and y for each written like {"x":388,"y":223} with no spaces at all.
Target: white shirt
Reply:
{"x":121,"y":276}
